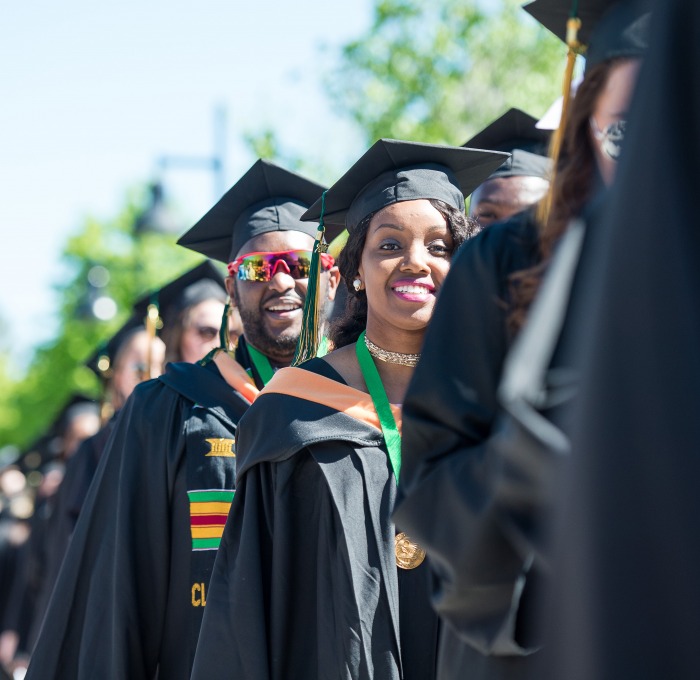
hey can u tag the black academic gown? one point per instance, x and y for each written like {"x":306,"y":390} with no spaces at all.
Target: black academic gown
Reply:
{"x":80,"y":471}
{"x":18,"y":615}
{"x":66,"y":505}
{"x":13,"y":538}
{"x":129,"y":597}
{"x":305,"y":584}
{"x":625,"y":599}
{"x":8,"y":566}
{"x":24,"y":600}
{"x":483,"y":584}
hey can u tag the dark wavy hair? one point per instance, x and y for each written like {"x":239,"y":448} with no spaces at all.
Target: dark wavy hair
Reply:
{"x":346,"y":329}
{"x":575,"y":178}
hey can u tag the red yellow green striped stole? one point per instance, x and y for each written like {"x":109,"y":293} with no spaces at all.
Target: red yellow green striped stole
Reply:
{"x":208,"y":512}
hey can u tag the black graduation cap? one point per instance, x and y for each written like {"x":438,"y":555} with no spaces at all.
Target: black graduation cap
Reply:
{"x":609,"y":28}
{"x":517,"y":133}
{"x":392,"y":171}
{"x":203,"y":282}
{"x":267,"y":198}
{"x":50,"y":444}
{"x":102,"y":360}
{"x":36,"y":453}
{"x":515,"y":129}
{"x":76,"y":405}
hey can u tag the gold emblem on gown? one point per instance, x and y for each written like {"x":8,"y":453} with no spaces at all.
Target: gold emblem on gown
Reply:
{"x":409,"y":555}
{"x":222,"y":448}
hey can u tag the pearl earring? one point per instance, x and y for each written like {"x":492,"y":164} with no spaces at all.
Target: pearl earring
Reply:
{"x":357,"y":284}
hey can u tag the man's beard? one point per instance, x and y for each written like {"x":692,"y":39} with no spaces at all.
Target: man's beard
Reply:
{"x":255,"y":332}
{"x":273,"y":345}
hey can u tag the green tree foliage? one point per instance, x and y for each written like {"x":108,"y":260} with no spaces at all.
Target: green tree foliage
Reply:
{"x":439,"y":71}
{"x":426,"y":71}
{"x":8,"y":381}
{"x":433,"y":72}
{"x":136,"y":265}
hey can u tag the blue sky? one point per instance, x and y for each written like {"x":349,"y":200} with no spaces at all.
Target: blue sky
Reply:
{"x":93,"y":93}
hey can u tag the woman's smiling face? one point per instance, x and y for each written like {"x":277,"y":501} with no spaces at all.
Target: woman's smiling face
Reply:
{"x":404,"y":262}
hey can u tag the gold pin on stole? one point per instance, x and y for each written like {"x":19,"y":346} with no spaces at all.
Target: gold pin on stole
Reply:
{"x":221,"y":447}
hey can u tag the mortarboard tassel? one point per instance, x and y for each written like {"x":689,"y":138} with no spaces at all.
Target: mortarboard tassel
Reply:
{"x":224,"y":336}
{"x":152,"y":323}
{"x":308,"y":343}
{"x":104,"y":366}
{"x":224,"y":358}
{"x":106,"y":409}
{"x":224,"y":331}
{"x":573,"y":26}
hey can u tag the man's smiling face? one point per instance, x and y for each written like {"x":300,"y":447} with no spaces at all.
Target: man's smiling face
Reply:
{"x":272,"y":311}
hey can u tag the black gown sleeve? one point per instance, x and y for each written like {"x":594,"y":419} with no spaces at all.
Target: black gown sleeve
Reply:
{"x":445,"y":493}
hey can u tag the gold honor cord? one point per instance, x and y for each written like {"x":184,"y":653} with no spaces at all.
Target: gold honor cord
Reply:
{"x":409,"y":555}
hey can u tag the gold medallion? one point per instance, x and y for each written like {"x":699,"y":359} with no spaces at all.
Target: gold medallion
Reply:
{"x":409,"y":555}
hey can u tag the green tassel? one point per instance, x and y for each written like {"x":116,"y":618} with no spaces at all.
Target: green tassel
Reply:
{"x":224,"y":337}
{"x":307,"y":345}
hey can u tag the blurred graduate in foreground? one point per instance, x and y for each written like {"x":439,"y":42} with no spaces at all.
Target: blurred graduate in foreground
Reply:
{"x":626,"y":594}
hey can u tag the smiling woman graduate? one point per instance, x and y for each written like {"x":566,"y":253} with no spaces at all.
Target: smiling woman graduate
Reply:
{"x":312,"y":579}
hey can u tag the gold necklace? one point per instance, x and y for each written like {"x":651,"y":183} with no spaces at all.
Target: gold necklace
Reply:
{"x":391,"y":357}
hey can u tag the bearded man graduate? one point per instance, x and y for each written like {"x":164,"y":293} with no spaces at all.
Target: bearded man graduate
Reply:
{"x":130,"y":597}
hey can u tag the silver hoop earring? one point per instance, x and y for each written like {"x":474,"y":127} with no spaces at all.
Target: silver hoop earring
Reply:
{"x":357,"y":284}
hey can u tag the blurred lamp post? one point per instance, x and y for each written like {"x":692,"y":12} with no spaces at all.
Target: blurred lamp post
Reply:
{"x":158,"y":217}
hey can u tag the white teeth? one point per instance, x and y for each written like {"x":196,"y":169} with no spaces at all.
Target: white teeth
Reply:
{"x":413,"y":290}
{"x":283,"y":308}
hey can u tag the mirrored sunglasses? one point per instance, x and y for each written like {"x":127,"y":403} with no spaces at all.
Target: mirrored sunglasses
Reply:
{"x":263,"y":266}
{"x":610,"y":138}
